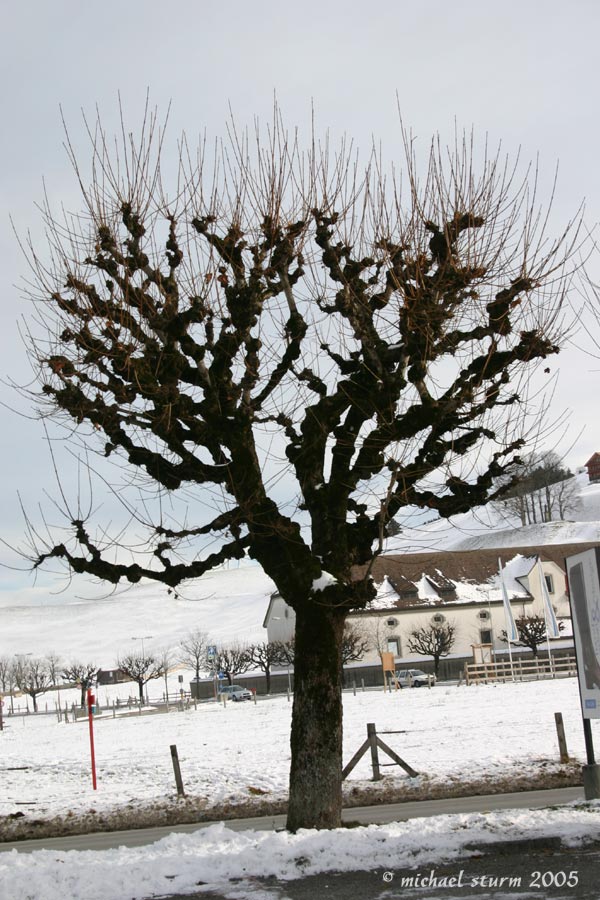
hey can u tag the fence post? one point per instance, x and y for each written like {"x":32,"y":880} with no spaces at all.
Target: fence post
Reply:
{"x":562,"y":740}
{"x":372,"y":738}
{"x":362,"y":684}
{"x":354,"y":687}
{"x":177,"y":771}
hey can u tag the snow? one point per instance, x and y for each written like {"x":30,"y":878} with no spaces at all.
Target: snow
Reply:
{"x":324,"y":580}
{"x":492,"y":733}
{"x":505,"y":730}
{"x":230,"y":754}
{"x":216,"y":855}
{"x":228,"y":604}
{"x":493,"y":525}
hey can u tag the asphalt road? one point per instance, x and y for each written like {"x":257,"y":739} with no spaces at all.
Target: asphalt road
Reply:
{"x":540,"y":869}
{"x":367,"y":815}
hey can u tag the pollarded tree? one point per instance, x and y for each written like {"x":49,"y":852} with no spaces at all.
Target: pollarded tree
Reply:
{"x":532,"y":632}
{"x":32,"y":677}
{"x":231,"y":660}
{"x":313,"y":347}
{"x":435,"y":640}
{"x":264,"y":656}
{"x":81,"y":674}
{"x":142,"y":668}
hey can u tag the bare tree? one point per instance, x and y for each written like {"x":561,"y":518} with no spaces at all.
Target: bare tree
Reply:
{"x":192,"y":652}
{"x":531,"y":631}
{"x":264,"y":656}
{"x":141,"y":668}
{"x":166,"y":658}
{"x":32,"y":677}
{"x":543,"y":489}
{"x":54,"y":666}
{"x":354,"y":644}
{"x":6,"y":674}
{"x":231,"y":660}
{"x":81,"y":674}
{"x":435,"y":640}
{"x":290,"y":326}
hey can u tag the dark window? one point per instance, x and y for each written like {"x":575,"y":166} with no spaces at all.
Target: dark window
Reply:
{"x":549,"y":583}
{"x":486,"y":636}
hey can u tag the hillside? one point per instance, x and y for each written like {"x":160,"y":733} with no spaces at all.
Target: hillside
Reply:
{"x":230,"y":604}
{"x":494,"y":526}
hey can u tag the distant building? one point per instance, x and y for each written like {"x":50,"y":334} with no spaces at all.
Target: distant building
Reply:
{"x":460,"y":588}
{"x":111,"y":676}
{"x":593,"y":467}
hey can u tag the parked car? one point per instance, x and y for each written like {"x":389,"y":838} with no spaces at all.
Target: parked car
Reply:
{"x":234,"y":692}
{"x":413,"y":678}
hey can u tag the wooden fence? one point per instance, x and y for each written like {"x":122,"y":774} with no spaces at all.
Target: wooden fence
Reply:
{"x":521,"y":670}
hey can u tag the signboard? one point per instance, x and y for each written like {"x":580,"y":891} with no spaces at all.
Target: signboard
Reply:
{"x":211,"y":651}
{"x":583,"y":571}
{"x":388,"y":662}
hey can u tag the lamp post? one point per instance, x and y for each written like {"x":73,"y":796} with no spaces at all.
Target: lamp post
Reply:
{"x":145,"y":637}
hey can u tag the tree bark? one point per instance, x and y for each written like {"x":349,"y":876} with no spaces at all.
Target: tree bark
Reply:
{"x":315,"y":799}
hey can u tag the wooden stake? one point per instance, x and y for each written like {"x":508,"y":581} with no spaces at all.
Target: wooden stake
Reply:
{"x":562,"y":740}
{"x":177,"y":771}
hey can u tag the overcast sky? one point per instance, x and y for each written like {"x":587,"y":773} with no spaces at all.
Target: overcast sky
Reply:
{"x":522,"y":72}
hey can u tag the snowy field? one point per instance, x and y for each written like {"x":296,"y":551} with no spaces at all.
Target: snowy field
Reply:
{"x":452,"y":734}
{"x":235,"y":753}
{"x":226,"y":860}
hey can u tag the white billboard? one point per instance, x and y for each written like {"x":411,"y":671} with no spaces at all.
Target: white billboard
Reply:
{"x":583,"y":570}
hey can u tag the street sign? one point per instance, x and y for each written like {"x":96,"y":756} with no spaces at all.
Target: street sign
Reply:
{"x":583,"y":571}
{"x":211,"y":651}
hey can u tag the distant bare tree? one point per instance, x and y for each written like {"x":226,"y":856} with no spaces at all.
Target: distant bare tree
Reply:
{"x":354,"y":643}
{"x":54,"y":666}
{"x":231,"y":660}
{"x":192,"y":652}
{"x":532,"y":632}
{"x":32,"y":677}
{"x":264,"y":656}
{"x":141,"y":668}
{"x":6,"y":674}
{"x":435,"y":640}
{"x":544,"y":490}
{"x":81,"y":674}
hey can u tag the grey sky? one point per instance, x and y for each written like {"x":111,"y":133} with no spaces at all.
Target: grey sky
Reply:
{"x":523,"y":72}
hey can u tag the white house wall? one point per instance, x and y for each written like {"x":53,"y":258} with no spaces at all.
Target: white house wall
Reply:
{"x":466,"y":617}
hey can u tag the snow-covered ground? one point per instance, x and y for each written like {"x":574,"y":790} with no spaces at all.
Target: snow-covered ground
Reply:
{"x":232,"y":754}
{"x":215,"y":856}
{"x":452,"y":734}
{"x":229,"y":755}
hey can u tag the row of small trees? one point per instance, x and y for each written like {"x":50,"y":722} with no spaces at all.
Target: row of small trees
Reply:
{"x":34,"y":676}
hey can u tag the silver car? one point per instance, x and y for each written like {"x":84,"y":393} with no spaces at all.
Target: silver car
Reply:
{"x":414,"y":678}
{"x":234,"y":692}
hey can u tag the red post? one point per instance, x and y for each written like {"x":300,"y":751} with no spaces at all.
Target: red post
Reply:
{"x":90,"y":702}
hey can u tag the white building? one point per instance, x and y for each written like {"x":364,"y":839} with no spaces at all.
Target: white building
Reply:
{"x":462,"y":589}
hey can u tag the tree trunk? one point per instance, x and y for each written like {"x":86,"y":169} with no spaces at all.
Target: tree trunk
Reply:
{"x":83,"y":693}
{"x":141,"y":689}
{"x":315,"y":799}
{"x":268,"y":679}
